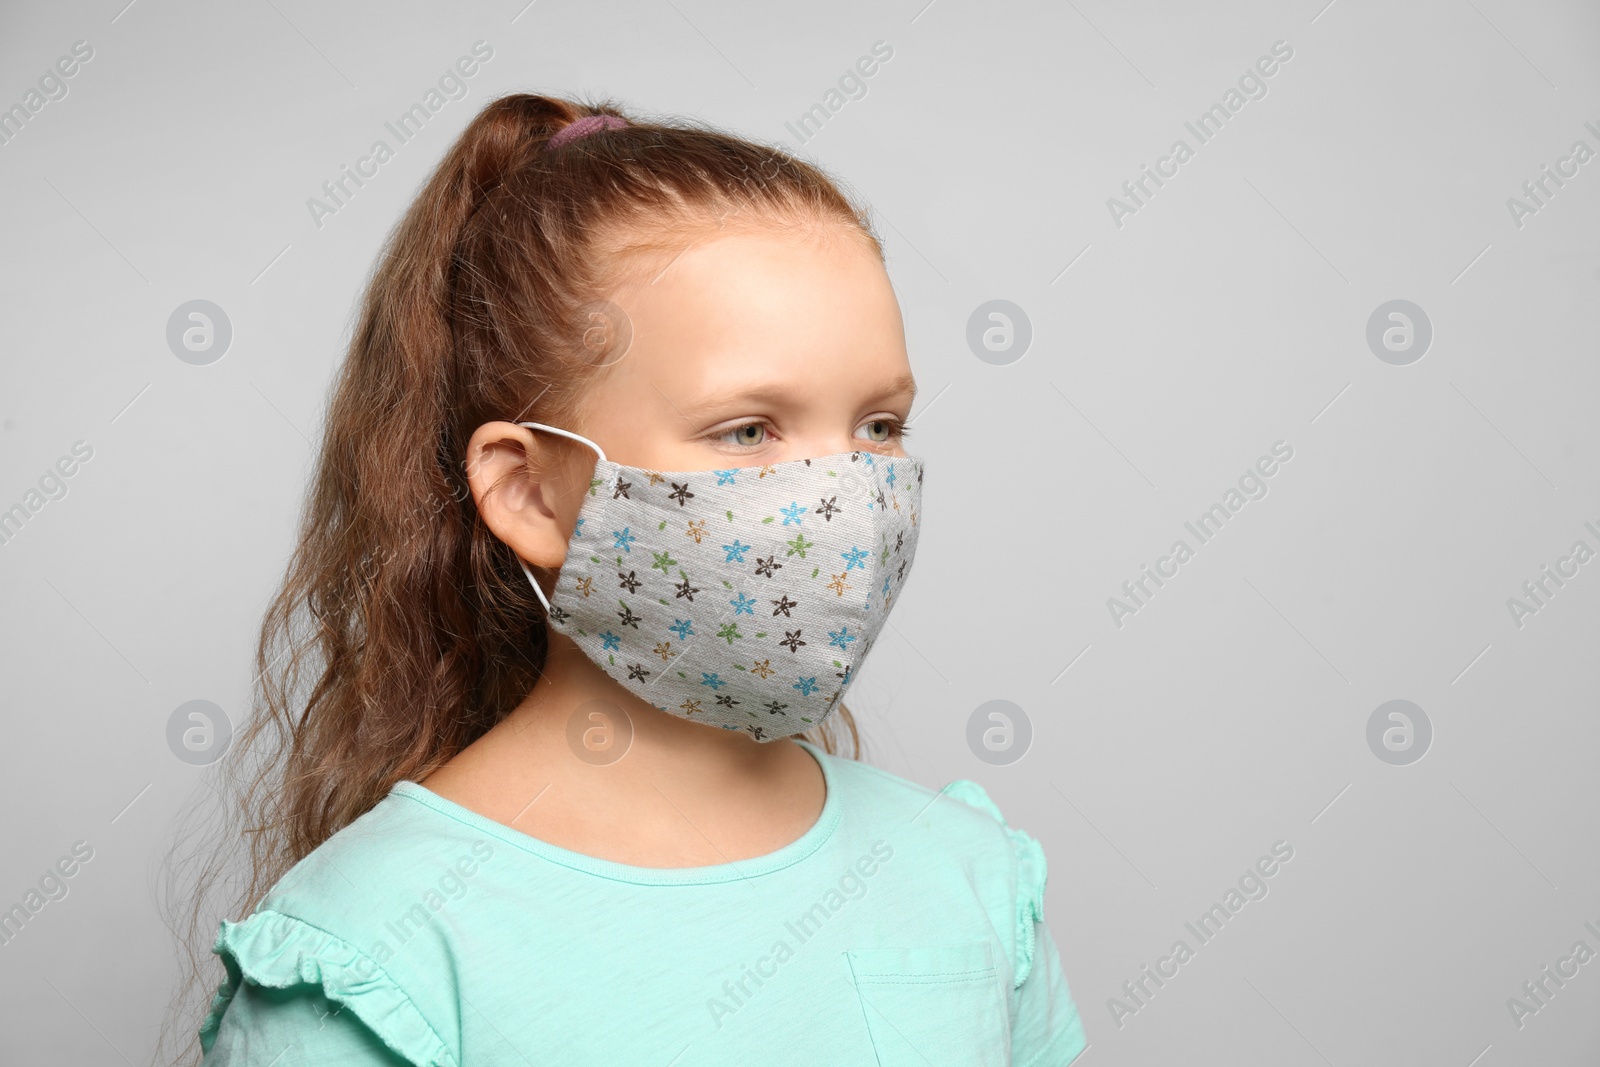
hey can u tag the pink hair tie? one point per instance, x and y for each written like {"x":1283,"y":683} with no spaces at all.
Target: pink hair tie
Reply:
{"x":582,"y":128}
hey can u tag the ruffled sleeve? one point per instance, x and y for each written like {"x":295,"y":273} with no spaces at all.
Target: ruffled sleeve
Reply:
{"x":1046,"y":1030}
{"x":275,"y":951}
{"x":1031,"y":873}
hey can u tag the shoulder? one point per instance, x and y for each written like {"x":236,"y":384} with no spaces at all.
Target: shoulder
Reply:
{"x":330,"y":922}
{"x":961,"y":824}
{"x":390,"y":824}
{"x":400,"y":837}
{"x":393,"y":868}
{"x":960,"y":811}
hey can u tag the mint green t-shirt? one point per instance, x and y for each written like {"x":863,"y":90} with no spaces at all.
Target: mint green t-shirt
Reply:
{"x":906,"y":927}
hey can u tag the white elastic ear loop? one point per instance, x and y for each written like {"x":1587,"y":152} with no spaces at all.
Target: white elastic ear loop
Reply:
{"x":576,"y":437}
{"x":565,"y":433}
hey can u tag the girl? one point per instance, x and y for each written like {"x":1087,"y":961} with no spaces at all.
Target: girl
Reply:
{"x":612,"y":503}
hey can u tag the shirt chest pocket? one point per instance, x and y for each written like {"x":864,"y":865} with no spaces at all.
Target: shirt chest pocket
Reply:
{"x":933,"y":1004}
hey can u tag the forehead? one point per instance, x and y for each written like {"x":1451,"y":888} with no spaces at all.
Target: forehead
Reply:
{"x":747,"y":306}
{"x":744,"y":272}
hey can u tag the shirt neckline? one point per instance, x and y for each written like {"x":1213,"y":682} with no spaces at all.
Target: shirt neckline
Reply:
{"x":790,"y":854}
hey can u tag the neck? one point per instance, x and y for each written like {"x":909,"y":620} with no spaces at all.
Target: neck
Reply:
{"x":578,"y":719}
{"x":585,"y":764}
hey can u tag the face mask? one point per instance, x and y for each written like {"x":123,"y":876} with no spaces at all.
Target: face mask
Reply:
{"x":743,"y":598}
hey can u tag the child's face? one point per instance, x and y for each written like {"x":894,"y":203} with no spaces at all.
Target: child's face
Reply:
{"x":751,"y":349}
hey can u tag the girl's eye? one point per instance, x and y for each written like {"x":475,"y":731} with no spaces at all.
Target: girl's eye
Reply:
{"x":882,"y":431}
{"x":751,"y":433}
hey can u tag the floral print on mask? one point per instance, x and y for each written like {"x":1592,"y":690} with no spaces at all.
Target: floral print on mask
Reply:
{"x":744,"y":598}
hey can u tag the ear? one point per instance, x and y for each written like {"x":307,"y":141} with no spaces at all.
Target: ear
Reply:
{"x":528,"y":489}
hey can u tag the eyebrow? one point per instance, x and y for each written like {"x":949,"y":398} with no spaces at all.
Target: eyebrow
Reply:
{"x":776,"y":394}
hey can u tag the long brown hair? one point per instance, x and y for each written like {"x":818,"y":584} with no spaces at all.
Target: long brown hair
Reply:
{"x":404,"y":629}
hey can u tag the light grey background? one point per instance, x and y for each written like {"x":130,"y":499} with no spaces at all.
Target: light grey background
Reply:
{"x":1230,"y":312}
